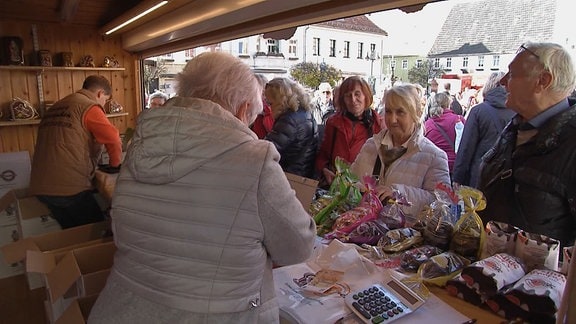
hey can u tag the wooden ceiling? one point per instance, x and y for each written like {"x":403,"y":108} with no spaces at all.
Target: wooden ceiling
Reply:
{"x":184,"y":24}
{"x":94,"y":13}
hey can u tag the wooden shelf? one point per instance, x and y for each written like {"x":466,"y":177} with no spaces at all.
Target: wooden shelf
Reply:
{"x":56,"y":68}
{"x":37,"y":121}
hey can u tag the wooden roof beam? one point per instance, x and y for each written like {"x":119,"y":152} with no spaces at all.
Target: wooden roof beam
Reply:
{"x":68,"y":9}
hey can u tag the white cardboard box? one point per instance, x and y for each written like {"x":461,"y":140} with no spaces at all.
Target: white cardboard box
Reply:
{"x":14,"y":171}
{"x":32,"y":216}
{"x":9,"y":234}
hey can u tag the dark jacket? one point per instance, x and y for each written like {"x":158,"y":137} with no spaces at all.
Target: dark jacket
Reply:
{"x":295,"y":135}
{"x":533,"y":186}
{"x":483,"y":125}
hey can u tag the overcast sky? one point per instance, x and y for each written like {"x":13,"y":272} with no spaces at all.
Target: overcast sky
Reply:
{"x":413,"y":33}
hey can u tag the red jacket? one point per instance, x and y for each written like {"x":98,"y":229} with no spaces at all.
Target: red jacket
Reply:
{"x":264,"y":122}
{"x":344,"y":137}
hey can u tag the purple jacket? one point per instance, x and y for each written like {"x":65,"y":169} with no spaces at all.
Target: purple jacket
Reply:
{"x":446,"y":121}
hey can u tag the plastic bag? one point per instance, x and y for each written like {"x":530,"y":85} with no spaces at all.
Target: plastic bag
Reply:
{"x":442,"y":267}
{"x":440,"y":218}
{"x":368,"y":232}
{"x":342,"y":196}
{"x":367,"y":210}
{"x":399,"y":239}
{"x":469,"y":235}
{"x":392,"y":213}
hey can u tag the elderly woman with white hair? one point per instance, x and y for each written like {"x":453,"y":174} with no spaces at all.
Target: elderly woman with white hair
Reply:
{"x":400,"y":156}
{"x":157,"y":99}
{"x":202,"y":209}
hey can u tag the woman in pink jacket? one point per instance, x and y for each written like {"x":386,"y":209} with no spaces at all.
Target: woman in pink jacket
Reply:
{"x":440,"y":128}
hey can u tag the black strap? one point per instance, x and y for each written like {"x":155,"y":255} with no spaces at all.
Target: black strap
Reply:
{"x":443,"y":132}
{"x":377,"y":166}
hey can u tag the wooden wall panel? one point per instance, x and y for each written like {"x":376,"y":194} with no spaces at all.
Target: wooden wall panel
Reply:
{"x":56,"y":84}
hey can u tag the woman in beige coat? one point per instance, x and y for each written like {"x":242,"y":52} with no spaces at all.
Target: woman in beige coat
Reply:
{"x":202,"y":209}
{"x":409,"y":162}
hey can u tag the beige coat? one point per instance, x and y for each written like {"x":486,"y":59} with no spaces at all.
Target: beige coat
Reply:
{"x":201,"y":211}
{"x":415,"y":174}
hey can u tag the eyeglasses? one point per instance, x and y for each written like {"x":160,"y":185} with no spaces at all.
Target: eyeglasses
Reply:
{"x":523,"y":48}
{"x":328,"y":92}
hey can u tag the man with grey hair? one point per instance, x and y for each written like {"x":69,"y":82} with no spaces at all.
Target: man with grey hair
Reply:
{"x":529,"y":177}
{"x":202,"y":209}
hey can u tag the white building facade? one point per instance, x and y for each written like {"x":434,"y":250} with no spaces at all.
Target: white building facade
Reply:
{"x":353,"y":50}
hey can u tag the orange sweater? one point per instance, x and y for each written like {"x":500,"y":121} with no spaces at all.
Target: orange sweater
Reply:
{"x":105,"y":133}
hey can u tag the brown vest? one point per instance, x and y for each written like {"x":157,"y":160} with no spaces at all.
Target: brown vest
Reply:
{"x":66,"y":153}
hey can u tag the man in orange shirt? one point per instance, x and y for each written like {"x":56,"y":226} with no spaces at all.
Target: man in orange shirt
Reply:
{"x":70,"y":139}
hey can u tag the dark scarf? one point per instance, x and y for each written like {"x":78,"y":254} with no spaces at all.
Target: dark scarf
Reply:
{"x":367,"y":120}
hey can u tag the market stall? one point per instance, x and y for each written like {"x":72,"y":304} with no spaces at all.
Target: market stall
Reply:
{"x":463,"y":269}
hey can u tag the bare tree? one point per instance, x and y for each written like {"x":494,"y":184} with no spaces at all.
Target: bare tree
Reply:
{"x":153,"y":69}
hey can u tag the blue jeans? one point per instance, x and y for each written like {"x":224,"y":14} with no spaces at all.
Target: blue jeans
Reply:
{"x":75,"y":210}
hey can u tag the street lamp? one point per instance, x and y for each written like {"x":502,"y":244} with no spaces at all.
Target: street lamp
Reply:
{"x":372,"y":57}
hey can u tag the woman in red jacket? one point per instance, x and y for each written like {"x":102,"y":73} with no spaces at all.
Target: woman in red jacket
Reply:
{"x":349,"y":128}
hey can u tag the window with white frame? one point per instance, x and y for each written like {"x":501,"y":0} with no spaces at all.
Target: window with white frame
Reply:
{"x":465,"y":62}
{"x":273,"y":46}
{"x":360,"y":50}
{"x":242,"y":47}
{"x":448,"y":62}
{"x":496,"y":60}
{"x":292,"y":47}
{"x":404,"y":64}
{"x":346,"y":49}
{"x":480,"y":61}
{"x":332,"y":48}
{"x":437,"y":63}
{"x":189,"y":53}
{"x":316,"y":46}
{"x":418,"y":63}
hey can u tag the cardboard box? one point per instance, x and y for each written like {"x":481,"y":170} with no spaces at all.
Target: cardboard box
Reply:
{"x":80,"y":273}
{"x":78,"y":311}
{"x":305,"y":188}
{"x":54,"y":243}
{"x":8,"y":214}
{"x":9,"y":234}
{"x":105,"y":184}
{"x":14,"y":171}
{"x":32,"y":216}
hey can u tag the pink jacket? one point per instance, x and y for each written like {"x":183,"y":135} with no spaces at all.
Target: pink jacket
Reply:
{"x":446,"y":121}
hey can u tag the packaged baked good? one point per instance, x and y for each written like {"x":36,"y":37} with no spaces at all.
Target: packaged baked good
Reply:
{"x":537,"y":251}
{"x":500,"y":238}
{"x":442,"y":267}
{"x":369,"y":232}
{"x":457,"y":287}
{"x":440,"y":219}
{"x":368,"y":210}
{"x":500,"y":305}
{"x":469,"y":235}
{"x":413,"y":258}
{"x":493,"y":274}
{"x":392,"y":213}
{"x":540,"y":291}
{"x":399,"y":239}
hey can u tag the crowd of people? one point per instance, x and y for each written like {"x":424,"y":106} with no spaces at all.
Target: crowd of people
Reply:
{"x":202,"y":209}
